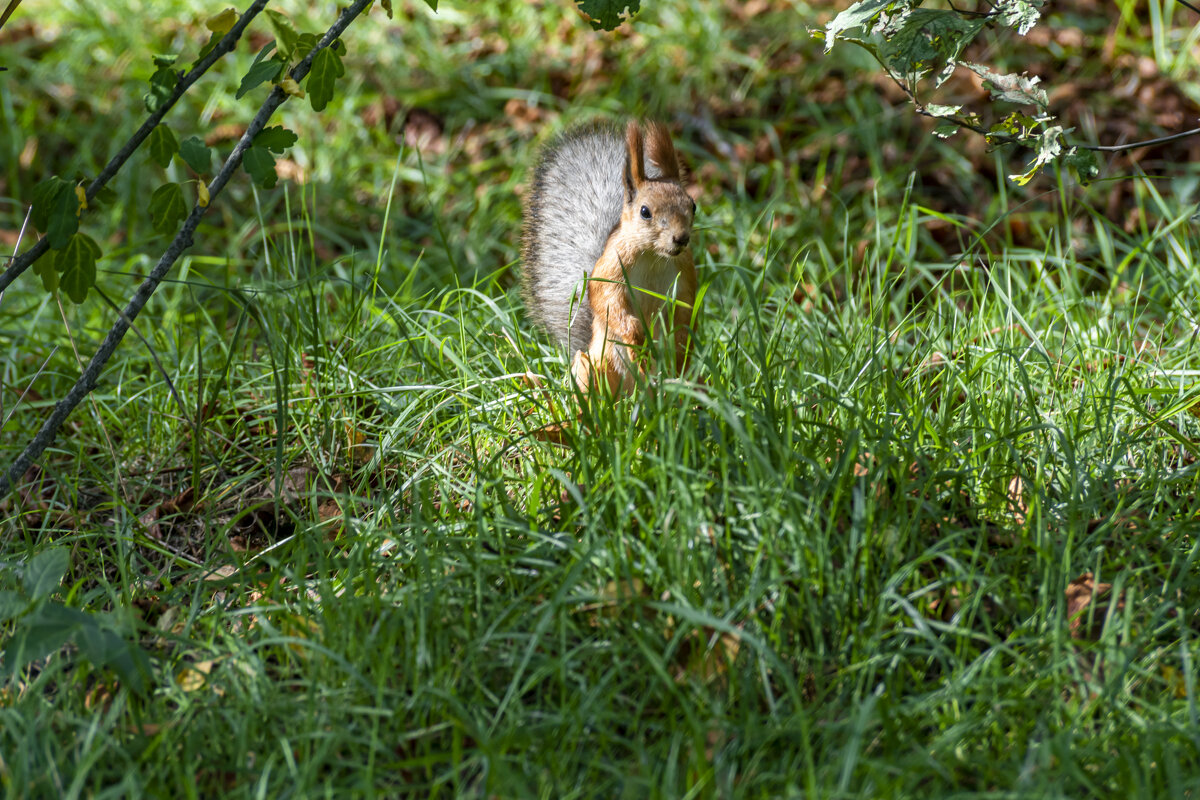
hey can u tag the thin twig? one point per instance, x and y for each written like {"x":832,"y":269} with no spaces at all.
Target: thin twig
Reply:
{"x":1188,"y":6}
{"x":16,"y":248}
{"x":26,"y":259}
{"x":1004,"y":138}
{"x":28,"y":386}
{"x":183,"y":240}
{"x":20,"y":238}
{"x":964,"y":13}
{"x":1117,"y":148}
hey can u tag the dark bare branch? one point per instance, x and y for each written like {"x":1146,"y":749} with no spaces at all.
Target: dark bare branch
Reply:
{"x":25,"y":260}
{"x":183,"y":240}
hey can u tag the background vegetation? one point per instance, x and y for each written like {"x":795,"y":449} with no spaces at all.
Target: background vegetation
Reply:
{"x":923,"y":523}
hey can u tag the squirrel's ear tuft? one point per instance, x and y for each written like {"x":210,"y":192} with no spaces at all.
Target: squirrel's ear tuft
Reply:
{"x":630,"y":186}
{"x":661,"y":151}
{"x":635,"y":164}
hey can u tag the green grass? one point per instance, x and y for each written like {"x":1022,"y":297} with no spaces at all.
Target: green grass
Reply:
{"x":833,"y":561}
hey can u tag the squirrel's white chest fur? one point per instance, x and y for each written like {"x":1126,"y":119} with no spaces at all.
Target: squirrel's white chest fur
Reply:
{"x":651,"y":281}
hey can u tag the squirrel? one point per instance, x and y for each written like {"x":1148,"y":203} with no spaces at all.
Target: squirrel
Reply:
{"x":606,"y":249}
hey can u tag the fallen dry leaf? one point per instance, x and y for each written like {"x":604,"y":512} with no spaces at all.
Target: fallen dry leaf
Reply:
{"x":423,"y":131}
{"x":706,"y":655}
{"x":946,"y":605}
{"x":554,"y":433}
{"x":523,"y":117}
{"x":99,"y":697}
{"x":221,"y":573}
{"x":1081,"y":594}
{"x":329,"y":513}
{"x":289,"y":170}
{"x":193,"y":677}
{"x":224,"y":133}
{"x":179,"y":504}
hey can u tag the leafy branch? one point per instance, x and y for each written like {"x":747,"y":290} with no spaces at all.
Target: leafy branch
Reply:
{"x":166,"y":101}
{"x":912,"y":43}
{"x":183,"y":240}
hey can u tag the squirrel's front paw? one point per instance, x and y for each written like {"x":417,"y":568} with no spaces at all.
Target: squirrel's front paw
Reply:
{"x":591,"y":371}
{"x":582,"y":371}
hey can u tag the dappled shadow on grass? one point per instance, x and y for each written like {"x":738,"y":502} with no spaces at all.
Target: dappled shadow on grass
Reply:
{"x":769,"y":598}
{"x":926,"y":526}
{"x":852,"y":553}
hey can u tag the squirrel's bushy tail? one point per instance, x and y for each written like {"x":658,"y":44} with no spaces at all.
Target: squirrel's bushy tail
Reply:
{"x":574,"y":203}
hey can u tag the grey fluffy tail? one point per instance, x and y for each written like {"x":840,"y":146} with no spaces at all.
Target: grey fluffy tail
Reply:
{"x":574,"y":204}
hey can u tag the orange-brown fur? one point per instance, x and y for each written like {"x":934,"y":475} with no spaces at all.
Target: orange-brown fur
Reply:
{"x":641,"y":254}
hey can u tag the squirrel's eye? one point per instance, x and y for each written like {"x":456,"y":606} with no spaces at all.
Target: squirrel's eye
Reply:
{"x":645,"y":213}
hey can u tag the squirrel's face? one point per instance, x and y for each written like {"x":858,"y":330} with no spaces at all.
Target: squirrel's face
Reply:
{"x":659,"y":217}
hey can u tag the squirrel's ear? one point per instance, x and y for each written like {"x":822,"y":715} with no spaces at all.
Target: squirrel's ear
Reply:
{"x":662,"y":151}
{"x":635,"y":164}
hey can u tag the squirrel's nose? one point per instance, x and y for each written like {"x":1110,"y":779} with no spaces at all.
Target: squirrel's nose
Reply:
{"x":681,"y":239}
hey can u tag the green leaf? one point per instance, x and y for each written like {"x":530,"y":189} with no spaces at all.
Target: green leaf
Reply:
{"x":326,"y":69}
{"x":196,"y":154}
{"x":263,"y":69}
{"x":162,"y":83}
{"x":42,"y":574}
{"x":432,"y":4}
{"x":945,"y":130}
{"x":285,"y":32}
{"x":45,"y":269}
{"x":276,"y":138}
{"x":222,"y":22}
{"x":1016,"y":125}
{"x":163,"y":145}
{"x":76,"y":264}
{"x":870,"y":45}
{"x":44,"y":196}
{"x":607,"y":14}
{"x":105,"y":648}
{"x":39,"y":635}
{"x":213,"y":40}
{"x":929,"y":39}
{"x":167,"y":207}
{"x":64,"y":216}
{"x":860,"y":15}
{"x":12,"y":604}
{"x":261,"y":165}
{"x":305,"y":45}
{"x":1083,"y":164}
